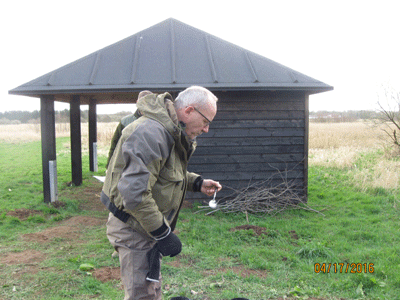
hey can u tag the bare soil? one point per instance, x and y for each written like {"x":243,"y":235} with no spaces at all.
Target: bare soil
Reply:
{"x":23,"y":214}
{"x":89,"y":197}
{"x":66,"y":230}
{"x":257,"y":230}
{"x":32,"y":257}
{"x":69,"y":230}
{"x":238,"y":270}
{"x":107,"y":274}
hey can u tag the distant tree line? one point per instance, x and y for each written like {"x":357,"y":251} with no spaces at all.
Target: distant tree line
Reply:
{"x":61,"y":116}
{"x":346,"y":116}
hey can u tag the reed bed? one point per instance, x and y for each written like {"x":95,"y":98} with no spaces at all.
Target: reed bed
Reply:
{"x":347,"y":134}
{"x":359,"y":148}
{"x":23,"y":133}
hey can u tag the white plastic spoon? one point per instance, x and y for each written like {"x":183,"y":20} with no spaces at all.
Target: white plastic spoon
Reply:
{"x":213,"y":203}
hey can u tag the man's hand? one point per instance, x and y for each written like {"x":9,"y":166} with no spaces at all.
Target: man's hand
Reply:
{"x":208,"y":187}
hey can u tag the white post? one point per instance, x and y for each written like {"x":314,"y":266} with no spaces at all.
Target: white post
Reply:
{"x":53,"y":180}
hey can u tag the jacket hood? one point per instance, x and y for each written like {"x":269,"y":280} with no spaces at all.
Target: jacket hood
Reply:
{"x":160,"y":108}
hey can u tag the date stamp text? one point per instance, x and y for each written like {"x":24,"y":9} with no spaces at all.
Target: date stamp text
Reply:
{"x":344,"y":268}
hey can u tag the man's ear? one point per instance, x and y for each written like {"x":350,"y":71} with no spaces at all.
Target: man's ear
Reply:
{"x":188,"y":110}
{"x":183,"y":113}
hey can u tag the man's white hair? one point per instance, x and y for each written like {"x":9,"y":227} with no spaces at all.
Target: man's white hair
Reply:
{"x":195,"y":95}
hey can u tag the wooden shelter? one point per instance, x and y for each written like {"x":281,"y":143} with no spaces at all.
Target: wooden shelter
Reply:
{"x":262,"y":122}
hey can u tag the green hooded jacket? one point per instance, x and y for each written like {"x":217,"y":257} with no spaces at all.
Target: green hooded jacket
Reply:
{"x":125,"y":121}
{"x":147,"y":175}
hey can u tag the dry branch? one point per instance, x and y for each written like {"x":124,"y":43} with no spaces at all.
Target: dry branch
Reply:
{"x":263,"y":197}
{"x":389,"y":114}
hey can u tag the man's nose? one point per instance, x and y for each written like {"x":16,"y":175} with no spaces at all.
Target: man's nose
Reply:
{"x":206,"y":128}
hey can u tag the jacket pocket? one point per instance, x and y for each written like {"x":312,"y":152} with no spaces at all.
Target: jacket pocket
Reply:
{"x":168,"y":191}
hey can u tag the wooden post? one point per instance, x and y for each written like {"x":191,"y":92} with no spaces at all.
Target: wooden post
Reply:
{"x":76,"y":144}
{"x":92,"y":135}
{"x":306,"y":139}
{"x":49,"y":163}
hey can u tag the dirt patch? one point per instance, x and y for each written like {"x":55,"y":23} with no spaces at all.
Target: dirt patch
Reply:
{"x":243,"y":272}
{"x":69,"y":230}
{"x":24,"y":257}
{"x":257,"y":229}
{"x":58,"y":204}
{"x":107,"y":274}
{"x":238,"y":270}
{"x":293,"y":235}
{"x":187,"y":204}
{"x":86,"y":221}
{"x":88,"y":197}
{"x":60,"y":232}
{"x":23,"y":213}
{"x":176,"y":263}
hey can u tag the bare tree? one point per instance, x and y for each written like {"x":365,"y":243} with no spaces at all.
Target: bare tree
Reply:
{"x":389,"y":114}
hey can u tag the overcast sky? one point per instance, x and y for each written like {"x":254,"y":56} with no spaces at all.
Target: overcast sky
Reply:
{"x":351,"y":45}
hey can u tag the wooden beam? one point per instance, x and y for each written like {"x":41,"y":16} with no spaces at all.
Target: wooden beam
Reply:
{"x":49,"y":165}
{"x":76,"y":145}
{"x":92,"y":135}
{"x":306,"y":141}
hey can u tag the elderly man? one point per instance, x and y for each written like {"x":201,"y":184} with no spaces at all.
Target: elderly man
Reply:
{"x":147,"y":180}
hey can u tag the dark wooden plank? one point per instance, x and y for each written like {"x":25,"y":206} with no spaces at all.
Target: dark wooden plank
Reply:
{"x":92,"y":136}
{"x":243,"y":184}
{"x":260,"y":115}
{"x":230,"y":188}
{"x":76,"y":145}
{"x":247,"y":176}
{"x":306,"y":135}
{"x":260,"y":158}
{"x":246,"y":167}
{"x":264,"y":123}
{"x":251,"y":96}
{"x":278,"y":149}
{"x":266,"y":105}
{"x":231,"y":185}
{"x":48,"y":137}
{"x":254,"y":132}
{"x":249,"y":141}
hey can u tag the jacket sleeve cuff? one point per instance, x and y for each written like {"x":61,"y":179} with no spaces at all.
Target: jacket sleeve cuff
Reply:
{"x":197,"y":184}
{"x":161,"y":233}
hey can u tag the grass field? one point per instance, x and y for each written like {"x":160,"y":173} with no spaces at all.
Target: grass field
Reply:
{"x":352,"y":251}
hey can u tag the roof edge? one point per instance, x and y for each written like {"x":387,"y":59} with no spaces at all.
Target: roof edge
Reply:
{"x":156,"y":87}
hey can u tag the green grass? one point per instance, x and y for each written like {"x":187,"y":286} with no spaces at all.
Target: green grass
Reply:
{"x":216,"y":262}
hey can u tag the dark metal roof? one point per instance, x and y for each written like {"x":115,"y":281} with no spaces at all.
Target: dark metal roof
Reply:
{"x":168,"y":56}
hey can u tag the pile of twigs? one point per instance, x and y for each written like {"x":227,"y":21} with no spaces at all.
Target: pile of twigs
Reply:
{"x":262,"y":197}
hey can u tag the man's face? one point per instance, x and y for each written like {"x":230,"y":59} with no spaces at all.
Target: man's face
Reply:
{"x":198,"y":119}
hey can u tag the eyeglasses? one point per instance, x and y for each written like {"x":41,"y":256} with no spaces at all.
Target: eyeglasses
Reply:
{"x":209,"y":122}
